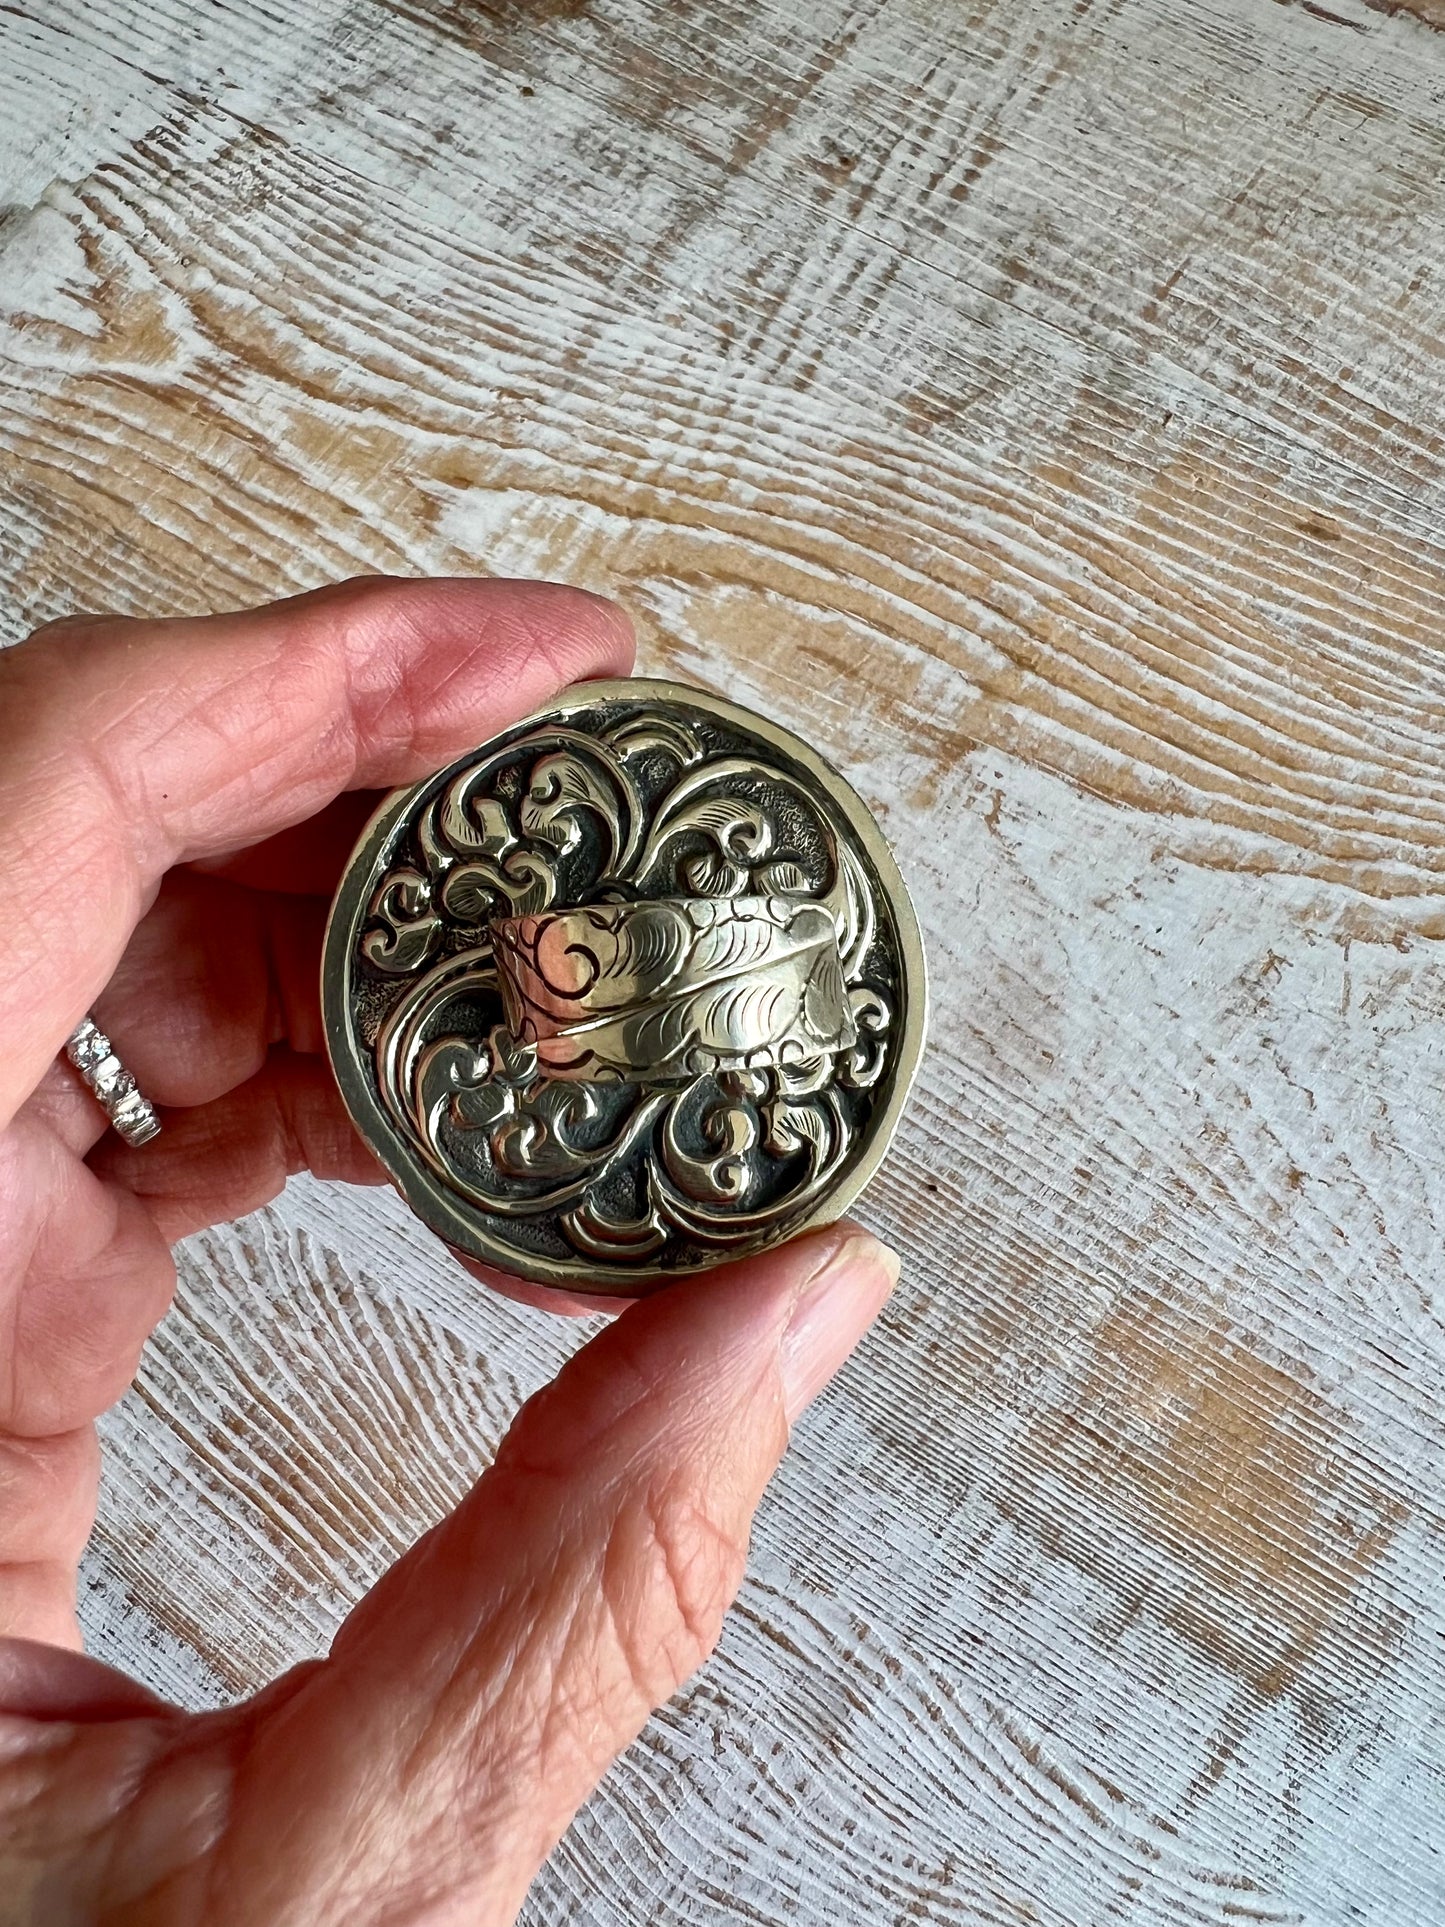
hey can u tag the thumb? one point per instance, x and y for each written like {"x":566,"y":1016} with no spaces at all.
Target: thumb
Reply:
{"x":476,"y":1696}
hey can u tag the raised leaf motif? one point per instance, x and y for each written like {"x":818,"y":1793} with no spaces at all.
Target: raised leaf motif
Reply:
{"x":711,"y":874}
{"x":784,"y":878}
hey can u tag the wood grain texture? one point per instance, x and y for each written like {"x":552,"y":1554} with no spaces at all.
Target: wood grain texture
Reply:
{"x":1041,"y":407}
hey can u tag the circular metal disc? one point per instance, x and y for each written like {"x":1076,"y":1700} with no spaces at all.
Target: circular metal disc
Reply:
{"x":633,"y":989}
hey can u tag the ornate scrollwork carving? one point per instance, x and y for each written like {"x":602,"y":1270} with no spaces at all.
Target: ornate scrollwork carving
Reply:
{"x":633,"y":994}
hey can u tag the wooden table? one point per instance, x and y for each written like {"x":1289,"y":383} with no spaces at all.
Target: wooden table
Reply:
{"x":1039,"y":405}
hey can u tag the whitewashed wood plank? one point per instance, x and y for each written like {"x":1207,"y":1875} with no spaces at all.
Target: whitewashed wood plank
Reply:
{"x":1042,"y":408}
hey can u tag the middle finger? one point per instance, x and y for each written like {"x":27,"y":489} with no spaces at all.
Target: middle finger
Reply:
{"x":214,"y":976}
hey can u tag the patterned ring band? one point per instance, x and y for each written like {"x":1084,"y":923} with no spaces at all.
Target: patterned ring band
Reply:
{"x":111,"y":1083}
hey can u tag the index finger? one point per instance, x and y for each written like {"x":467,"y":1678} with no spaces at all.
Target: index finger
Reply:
{"x":126,"y":747}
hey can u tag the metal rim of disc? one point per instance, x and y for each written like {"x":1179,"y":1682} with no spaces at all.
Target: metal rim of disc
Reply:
{"x":430,"y":1198}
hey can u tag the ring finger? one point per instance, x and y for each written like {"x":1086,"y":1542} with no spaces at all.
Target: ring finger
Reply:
{"x":214,"y":976}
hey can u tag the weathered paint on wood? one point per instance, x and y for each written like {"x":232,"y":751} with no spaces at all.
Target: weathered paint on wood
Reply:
{"x":1041,"y":407}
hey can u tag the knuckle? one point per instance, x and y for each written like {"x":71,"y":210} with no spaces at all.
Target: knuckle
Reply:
{"x":673,"y":1569}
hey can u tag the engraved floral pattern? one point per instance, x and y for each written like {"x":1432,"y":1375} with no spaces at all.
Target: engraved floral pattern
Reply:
{"x":675,"y":1057}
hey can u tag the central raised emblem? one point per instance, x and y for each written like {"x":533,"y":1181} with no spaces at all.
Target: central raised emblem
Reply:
{"x":671,"y":990}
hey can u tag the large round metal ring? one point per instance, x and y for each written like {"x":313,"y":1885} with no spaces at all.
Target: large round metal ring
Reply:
{"x":633,"y":989}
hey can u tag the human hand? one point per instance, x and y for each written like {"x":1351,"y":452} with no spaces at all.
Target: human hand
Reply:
{"x":176,"y":800}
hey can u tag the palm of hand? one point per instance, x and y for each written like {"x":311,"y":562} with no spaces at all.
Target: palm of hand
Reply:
{"x":182,"y":790}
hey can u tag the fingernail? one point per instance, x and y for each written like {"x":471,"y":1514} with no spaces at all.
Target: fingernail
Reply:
{"x":831,"y":1313}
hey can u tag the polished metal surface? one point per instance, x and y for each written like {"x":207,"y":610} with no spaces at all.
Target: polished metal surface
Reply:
{"x":673,"y":989}
{"x":633,"y":989}
{"x":111,"y":1084}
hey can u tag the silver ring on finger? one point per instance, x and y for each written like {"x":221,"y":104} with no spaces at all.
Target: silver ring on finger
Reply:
{"x":111,"y":1084}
